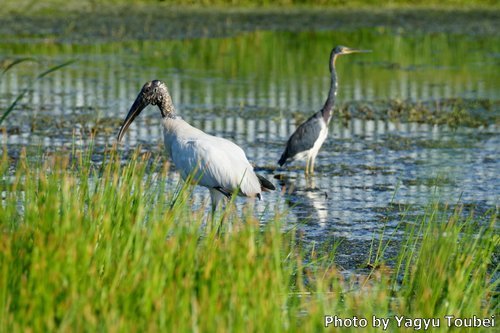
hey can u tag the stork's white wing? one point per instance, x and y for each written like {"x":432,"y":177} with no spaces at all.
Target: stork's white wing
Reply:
{"x":215,"y":162}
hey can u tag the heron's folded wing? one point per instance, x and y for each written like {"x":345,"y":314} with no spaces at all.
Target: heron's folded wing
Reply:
{"x":304,"y":136}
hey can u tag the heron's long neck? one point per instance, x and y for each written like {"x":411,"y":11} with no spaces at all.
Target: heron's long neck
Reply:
{"x":330,"y":101}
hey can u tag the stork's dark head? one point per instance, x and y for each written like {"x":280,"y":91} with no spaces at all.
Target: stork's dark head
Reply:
{"x":153,"y":92}
{"x":341,"y":50}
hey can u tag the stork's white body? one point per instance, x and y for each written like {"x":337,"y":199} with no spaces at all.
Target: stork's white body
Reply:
{"x":214,"y":162}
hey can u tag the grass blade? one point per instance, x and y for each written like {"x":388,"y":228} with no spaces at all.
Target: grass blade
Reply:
{"x":16,"y":62}
{"x":55,"y":68}
{"x":13,"y":105}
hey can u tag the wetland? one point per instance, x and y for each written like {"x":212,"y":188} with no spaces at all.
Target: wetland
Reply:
{"x":416,"y":120}
{"x":399,"y":220}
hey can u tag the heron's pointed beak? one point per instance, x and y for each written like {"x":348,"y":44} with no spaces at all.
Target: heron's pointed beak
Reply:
{"x":348,"y":51}
{"x":139,"y":105}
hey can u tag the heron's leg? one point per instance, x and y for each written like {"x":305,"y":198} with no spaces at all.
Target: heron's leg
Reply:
{"x":313,"y":159}
{"x":307,"y":165}
{"x":310,"y":183}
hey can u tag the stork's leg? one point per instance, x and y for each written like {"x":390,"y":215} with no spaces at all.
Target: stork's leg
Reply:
{"x":216,"y":197}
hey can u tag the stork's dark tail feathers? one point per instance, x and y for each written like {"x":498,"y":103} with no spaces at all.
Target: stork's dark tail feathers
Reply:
{"x":265,"y":185}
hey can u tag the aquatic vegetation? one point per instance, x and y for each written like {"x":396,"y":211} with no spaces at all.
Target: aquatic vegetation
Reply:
{"x":452,"y":112}
{"x":440,"y":180}
{"x":109,"y":247}
{"x":38,"y":77}
{"x":81,"y":22}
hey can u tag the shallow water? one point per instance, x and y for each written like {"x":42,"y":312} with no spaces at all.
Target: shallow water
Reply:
{"x":254,"y":88}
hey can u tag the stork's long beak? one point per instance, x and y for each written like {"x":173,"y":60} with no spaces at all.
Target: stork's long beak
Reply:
{"x":139,"y":105}
{"x":349,"y":50}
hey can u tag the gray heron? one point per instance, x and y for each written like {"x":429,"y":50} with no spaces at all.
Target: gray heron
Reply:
{"x":213,"y":162}
{"x":308,"y":138}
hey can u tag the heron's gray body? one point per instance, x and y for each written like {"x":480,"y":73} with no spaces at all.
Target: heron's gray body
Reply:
{"x":308,"y":138}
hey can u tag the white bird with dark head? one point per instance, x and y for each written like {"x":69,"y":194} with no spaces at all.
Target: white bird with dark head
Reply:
{"x":308,"y":138}
{"x":213,"y":162}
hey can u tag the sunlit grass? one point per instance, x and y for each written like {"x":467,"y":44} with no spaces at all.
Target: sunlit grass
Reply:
{"x":109,"y":247}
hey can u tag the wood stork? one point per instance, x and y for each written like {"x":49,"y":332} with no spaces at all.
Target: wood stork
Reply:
{"x":215,"y":163}
{"x":308,"y":138}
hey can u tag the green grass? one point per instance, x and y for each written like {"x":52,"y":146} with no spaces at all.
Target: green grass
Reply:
{"x":110,"y":248}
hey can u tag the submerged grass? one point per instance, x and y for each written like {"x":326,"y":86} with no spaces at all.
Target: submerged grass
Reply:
{"x":109,"y":248}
